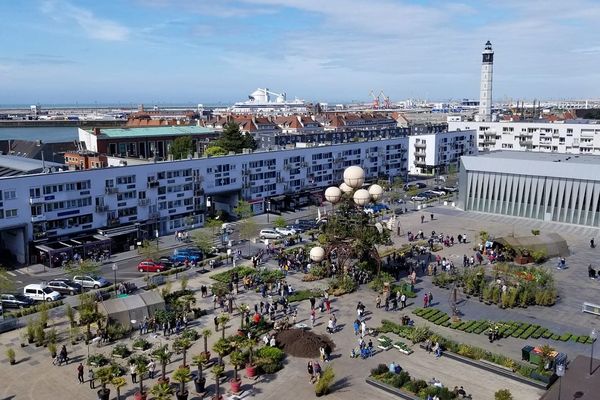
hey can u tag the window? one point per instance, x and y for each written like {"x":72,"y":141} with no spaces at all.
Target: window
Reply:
{"x":10,"y":194}
{"x":11,"y":213}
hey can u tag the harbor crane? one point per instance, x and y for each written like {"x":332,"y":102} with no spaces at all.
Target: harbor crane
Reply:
{"x":375,"y":100}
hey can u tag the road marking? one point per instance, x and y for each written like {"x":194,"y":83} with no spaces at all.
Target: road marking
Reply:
{"x":18,"y":271}
{"x":10,"y":273}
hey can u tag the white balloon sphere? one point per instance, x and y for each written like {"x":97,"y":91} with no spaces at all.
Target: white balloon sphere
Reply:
{"x":317,"y":254}
{"x":362,"y":197}
{"x":375,"y":191}
{"x":345,"y":188}
{"x":354,"y":176}
{"x":333,"y":194}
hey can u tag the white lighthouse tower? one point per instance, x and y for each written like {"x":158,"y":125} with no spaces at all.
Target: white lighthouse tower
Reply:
{"x":485,"y":92}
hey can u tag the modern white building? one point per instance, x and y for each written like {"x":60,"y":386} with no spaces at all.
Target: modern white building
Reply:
{"x":39,"y":212}
{"x":573,"y":136}
{"x":549,"y":187}
{"x":434,"y":153}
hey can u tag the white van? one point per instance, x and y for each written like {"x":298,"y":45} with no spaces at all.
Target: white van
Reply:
{"x":269,"y":234}
{"x":39,"y":292}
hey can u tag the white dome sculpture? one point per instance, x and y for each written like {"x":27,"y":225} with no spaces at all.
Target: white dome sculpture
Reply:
{"x":333,"y":194}
{"x":362,"y":197}
{"x":376,"y":192}
{"x":317,"y":254}
{"x":354,"y":176}
{"x":345,"y":188}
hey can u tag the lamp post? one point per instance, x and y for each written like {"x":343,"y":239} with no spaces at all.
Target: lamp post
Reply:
{"x":268,"y":210}
{"x":156,"y":235}
{"x":593,"y":336}
{"x":228,"y":255}
{"x":115,"y":268}
{"x":560,"y":371}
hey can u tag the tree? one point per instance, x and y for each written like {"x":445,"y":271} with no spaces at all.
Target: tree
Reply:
{"x":161,"y":391}
{"x":280,"y":222}
{"x":223,"y":320}
{"x":82,"y":267}
{"x":213,"y":224}
{"x":214,"y":151}
{"x":237,"y":359}
{"x":105,"y":376}
{"x":148,"y":250}
{"x":206,"y":333}
{"x":182,"y":345}
{"x":244,"y":309}
{"x":503,"y":394}
{"x":182,"y":375}
{"x":141,"y":369}
{"x":243,"y":209}
{"x":182,"y":147}
{"x":199,"y":360}
{"x":163,"y":355}
{"x":203,"y":241}
{"x":247,"y":228}
{"x":221,"y":347}
{"x":118,"y":382}
{"x":217,"y":370}
{"x":398,"y":183}
{"x":232,"y":139}
{"x":6,"y":284}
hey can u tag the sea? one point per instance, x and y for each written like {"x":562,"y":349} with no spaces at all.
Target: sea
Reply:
{"x":45,"y":134}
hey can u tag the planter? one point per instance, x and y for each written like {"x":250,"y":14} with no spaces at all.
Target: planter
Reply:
{"x":250,"y":371}
{"x":403,"y":394}
{"x":182,"y":396}
{"x":12,"y":362}
{"x":104,"y":394}
{"x":139,"y":396}
{"x":200,"y":383}
{"x":236,"y":385}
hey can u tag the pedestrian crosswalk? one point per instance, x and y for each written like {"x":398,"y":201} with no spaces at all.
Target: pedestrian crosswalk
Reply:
{"x":16,"y":271}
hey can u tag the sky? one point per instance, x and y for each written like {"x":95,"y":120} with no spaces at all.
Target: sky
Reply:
{"x":209,"y":51}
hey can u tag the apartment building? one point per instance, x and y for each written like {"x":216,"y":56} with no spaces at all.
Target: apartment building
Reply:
{"x":39,"y":212}
{"x":571,"y":136}
{"x":434,"y":153}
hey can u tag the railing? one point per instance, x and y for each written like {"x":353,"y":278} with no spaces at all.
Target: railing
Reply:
{"x":153,"y":184}
{"x":111,"y":190}
{"x":143,"y":202}
{"x":101,"y":208}
{"x":421,"y":145}
{"x":38,"y":218}
{"x":154,"y":215}
{"x":36,"y":200}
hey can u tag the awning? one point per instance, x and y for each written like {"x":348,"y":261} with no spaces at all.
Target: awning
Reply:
{"x":122,"y":230}
{"x":277,"y":198}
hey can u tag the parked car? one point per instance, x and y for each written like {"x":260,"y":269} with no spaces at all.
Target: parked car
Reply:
{"x":65,"y":286}
{"x":40,"y":292}
{"x":419,"y":197}
{"x":190,"y":254}
{"x":285,"y":231}
{"x":15,"y":300}
{"x":414,"y":185}
{"x":307,"y":224}
{"x":151,"y":266}
{"x":399,"y":211}
{"x":296,"y":227}
{"x":450,"y":188}
{"x":91,"y":281}
{"x":375,"y":208}
{"x":437,"y":192}
{"x":269,"y":234}
{"x":227,"y":227}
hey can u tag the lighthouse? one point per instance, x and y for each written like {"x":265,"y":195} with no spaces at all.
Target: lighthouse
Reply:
{"x":485,"y":92}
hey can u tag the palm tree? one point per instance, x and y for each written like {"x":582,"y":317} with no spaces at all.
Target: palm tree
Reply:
{"x":221,"y":347}
{"x":249,"y":345}
{"x":206,"y":333}
{"x":104,"y":375}
{"x":141,"y":369}
{"x":118,"y":382}
{"x":182,"y":345}
{"x":243,"y":308}
{"x":186,"y":301}
{"x":163,"y":355}
{"x":199,"y":361}
{"x":223,"y":320}
{"x":182,"y":375}
{"x":217,"y":370}
{"x":237,"y":359}
{"x":161,"y":391}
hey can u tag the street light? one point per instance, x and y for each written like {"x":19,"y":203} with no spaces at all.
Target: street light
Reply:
{"x":593,"y":336}
{"x":560,"y":371}
{"x":228,"y":255}
{"x":268,"y":209}
{"x":156,"y":235}
{"x":115,"y":268}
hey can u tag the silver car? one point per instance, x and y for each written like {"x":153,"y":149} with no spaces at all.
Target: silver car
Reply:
{"x":91,"y":281}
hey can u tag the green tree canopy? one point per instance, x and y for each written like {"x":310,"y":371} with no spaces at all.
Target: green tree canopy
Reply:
{"x":83,"y":267}
{"x":203,"y":241}
{"x":181,"y":147}
{"x":213,"y":151}
{"x":243,"y":209}
{"x":6,"y":284}
{"x":280,"y":222}
{"x":232,"y":139}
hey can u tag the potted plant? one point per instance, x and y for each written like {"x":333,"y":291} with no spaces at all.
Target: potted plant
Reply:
{"x":200,"y":380}
{"x":70,"y":313}
{"x":30,"y":331}
{"x":243,"y":308}
{"x":161,"y":391}
{"x":121,"y":351}
{"x":221,"y":347}
{"x":52,"y":349}
{"x":97,"y":360}
{"x":105,"y":376}
{"x":141,"y":369}
{"x":217,"y":370}
{"x":43,"y":315}
{"x":10,"y":354}
{"x":181,"y":345}
{"x":182,"y":376}
{"x":118,"y":382}
{"x":206,"y":333}
{"x":237,"y":359}
{"x":503,"y":394}
{"x":40,"y":335}
{"x":74,"y":333}
{"x":322,"y":386}
{"x":140,"y":344}
{"x":250,"y":367}
{"x":163,"y":355}
{"x":223,"y":320}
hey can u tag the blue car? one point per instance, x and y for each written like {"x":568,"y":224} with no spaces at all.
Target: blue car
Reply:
{"x":375,"y":208}
{"x":180,"y":255}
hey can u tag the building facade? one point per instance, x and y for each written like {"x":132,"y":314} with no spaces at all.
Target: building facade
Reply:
{"x":548,"y":187}
{"x":434,"y":153}
{"x":576,"y":137}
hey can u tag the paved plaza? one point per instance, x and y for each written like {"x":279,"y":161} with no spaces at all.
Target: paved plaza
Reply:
{"x":34,"y":376}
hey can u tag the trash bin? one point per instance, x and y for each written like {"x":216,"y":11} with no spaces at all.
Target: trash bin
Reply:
{"x":561,"y":358}
{"x":535,"y":357}
{"x":525,"y":353}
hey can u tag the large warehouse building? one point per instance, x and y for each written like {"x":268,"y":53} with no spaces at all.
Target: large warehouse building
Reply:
{"x":545,"y":186}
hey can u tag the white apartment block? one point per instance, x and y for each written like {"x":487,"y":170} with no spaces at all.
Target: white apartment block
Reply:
{"x":578,"y":137}
{"x":431,"y":153}
{"x":129,"y":203}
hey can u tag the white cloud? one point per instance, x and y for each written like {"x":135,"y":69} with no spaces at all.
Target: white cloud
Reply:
{"x":93,"y":26}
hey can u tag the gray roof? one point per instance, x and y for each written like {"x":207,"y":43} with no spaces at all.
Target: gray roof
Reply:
{"x":585,"y":167}
{"x":16,"y":165}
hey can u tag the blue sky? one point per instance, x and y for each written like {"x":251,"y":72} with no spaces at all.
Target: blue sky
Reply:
{"x":206,"y":51}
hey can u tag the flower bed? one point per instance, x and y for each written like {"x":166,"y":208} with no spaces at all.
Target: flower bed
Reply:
{"x":403,"y":347}
{"x":225,"y":276}
{"x":404,"y":386}
{"x":385,"y":343}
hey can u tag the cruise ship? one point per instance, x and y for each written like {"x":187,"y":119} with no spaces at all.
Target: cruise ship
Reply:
{"x":264,"y":101}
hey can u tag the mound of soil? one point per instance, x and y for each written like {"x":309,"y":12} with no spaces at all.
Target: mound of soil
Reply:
{"x":301,"y":343}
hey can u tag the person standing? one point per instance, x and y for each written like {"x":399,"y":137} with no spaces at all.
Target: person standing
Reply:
{"x":430,"y":298}
{"x":356,"y":326}
{"x":403,"y":300}
{"x":425,"y":300}
{"x":363,"y":328}
{"x":312,"y":317}
{"x":328,"y":305}
{"x":133,"y":373}
{"x":91,"y":378}
{"x":151,"y":368}
{"x":422,"y":218}
{"x":378,"y":302}
{"x":311,"y":372}
{"x":80,"y":373}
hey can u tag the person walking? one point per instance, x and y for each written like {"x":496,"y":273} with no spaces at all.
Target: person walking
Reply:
{"x":80,"y":373}
{"x":311,"y":372}
{"x":151,"y":368}
{"x":425,"y":300}
{"x":363,"y":328}
{"x":422,"y":218}
{"x":430,"y":298}
{"x":328,"y":305}
{"x":133,"y":373}
{"x":356,"y":326}
{"x":312,"y":317}
{"x":403,"y":301}
{"x":378,"y":302}
{"x":91,"y":378}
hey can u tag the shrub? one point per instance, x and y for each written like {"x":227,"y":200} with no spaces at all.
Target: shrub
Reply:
{"x":420,"y":334}
{"x":379,"y":370}
{"x":322,"y":386}
{"x":269,"y":359}
{"x":503,"y":394}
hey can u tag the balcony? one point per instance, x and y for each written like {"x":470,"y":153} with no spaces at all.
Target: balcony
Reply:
{"x":38,"y":218}
{"x":420,"y":153}
{"x":143,"y":202}
{"x":526,"y":142}
{"x":199,"y":192}
{"x":489,"y":141}
{"x":420,"y":163}
{"x":112,"y":222}
{"x":153,"y":184}
{"x":36,"y":200}
{"x":111,"y":190}
{"x":101,"y":208}
{"x":420,"y":145}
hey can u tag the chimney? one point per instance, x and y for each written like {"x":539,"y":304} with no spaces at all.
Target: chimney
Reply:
{"x":96,"y":131}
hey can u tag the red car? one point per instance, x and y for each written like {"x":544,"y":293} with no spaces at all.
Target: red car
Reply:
{"x":151,"y":266}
